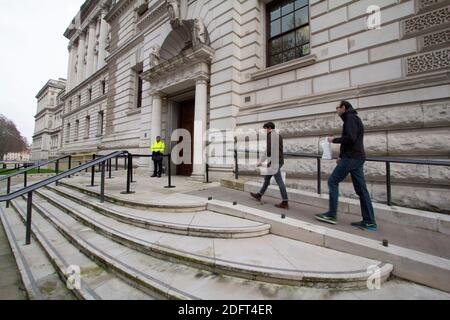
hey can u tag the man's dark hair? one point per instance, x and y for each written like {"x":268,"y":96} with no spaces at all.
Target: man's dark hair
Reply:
{"x":347,"y":105}
{"x":269,"y":125}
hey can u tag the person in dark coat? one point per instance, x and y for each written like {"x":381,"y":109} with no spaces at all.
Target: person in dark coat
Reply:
{"x":275,"y":163}
{"x":351,"y":161}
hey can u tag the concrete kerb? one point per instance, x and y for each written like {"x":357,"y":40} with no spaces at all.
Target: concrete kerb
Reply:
{"x":407,"y":264}
{"x":415,"y":218}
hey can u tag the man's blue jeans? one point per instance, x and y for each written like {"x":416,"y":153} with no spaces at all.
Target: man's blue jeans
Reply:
{"x":280,"y":182}
{"x":356,"y":169}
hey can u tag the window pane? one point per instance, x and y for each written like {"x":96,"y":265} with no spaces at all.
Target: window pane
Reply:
{"x":287,"y":22}
{"x":301,"y":17}
{"x":303,"y":50}
{"x":306,"y":49}
{"x":303,"y":35}
{"x":287,"y":7}
{"x":289,"y":41}
{"x":276,"y":59}
{"x":276,"y":46}
{"x":275,"y":13}
{"x":289,"y":55}
{"x":275,"y":28}
{"x":300,"y":3}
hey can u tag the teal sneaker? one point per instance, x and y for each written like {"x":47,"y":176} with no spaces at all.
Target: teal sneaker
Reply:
{"x":326,"y":217}
{"x":365,"y":226}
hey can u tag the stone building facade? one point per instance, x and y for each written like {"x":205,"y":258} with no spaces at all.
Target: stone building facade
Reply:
{"x":48,"y":120}
{"x":142,"y":68}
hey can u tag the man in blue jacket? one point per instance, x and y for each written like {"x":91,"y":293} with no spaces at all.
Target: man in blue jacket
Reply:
{"x":351,"y":160}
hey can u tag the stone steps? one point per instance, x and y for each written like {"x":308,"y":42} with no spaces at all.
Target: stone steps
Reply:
{"x":179,"y":206}
{"x":39,"y":277}
{"x":200,"y":224}
{"x":157,"y":277}
{"x":267,"y":258}
{"x":96,"y":282}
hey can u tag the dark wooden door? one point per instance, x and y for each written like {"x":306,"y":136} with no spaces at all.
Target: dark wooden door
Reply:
{"x":186,"y":121}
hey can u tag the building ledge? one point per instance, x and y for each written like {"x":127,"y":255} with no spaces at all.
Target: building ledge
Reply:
{"x":284,"y":67}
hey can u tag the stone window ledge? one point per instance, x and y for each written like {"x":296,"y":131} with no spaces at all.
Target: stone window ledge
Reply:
{"x":133,"y":112}
{"x":284,"y":67}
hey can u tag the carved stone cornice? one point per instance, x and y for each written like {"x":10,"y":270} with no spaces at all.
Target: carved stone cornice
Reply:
{"x":200,"y":53}
{"x":155,"y":12}
{"x":117,"y":9}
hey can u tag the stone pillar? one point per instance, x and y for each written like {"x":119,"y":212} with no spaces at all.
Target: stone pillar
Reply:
{"x":201,"y":101}
{"x":70,"y":69}
{"x":156,"y":120}
{"x":91,"y":49}
{"x":81,"y":53}
{"x":102,"y":40}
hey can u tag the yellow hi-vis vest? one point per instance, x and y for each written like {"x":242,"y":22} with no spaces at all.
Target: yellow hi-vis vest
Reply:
{"x":158,"y":147}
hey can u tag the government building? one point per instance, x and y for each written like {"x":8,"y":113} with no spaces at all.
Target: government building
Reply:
{"x":140,"y":69}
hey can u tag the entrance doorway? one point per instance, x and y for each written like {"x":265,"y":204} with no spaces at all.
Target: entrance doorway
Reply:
{"x":186,"y":121}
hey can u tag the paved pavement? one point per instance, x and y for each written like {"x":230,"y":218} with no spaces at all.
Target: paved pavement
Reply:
{"x":408,"y":237}
{"x":10,"y":282}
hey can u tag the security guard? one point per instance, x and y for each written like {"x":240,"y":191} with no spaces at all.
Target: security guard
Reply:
{"x":157,"y":150}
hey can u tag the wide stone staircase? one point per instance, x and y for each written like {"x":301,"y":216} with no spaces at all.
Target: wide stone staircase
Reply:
{"x":135,"y":250}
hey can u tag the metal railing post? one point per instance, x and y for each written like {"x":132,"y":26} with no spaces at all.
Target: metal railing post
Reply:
{"x":117,"y":163}
{"x":102,"y":183}
{"x":8,"y":190}
{"x":93,"y":172}
{"x":109,"y":168}
{"x":29,"y":210}
{"x":319,"y":176}
{"x":169,"y":173}
{"x":388,"y":183}
{"x":57,"y":170}
{"x":207,"y":173}
{"x":25,"y":179}
{"x":130,"y":163}
{"x":236,"y":165}
{"x":131,"y":169}
{"x":70,"y":165}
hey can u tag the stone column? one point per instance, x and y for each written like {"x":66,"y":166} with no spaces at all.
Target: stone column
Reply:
{"x":81,"y":53}
{"x":102,"y":40}
{"x":156,"y":120}
{"x":90,"y":53}
{"x":201,"y":101}
{"x":70,"y":68}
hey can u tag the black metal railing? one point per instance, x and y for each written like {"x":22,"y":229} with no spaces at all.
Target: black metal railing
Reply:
{"x":28,"y":190}
{"x":17,"y":166}
{"x":387,"y":161}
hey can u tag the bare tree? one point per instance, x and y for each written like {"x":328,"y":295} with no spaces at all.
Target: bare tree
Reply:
{"x":10,"y":138}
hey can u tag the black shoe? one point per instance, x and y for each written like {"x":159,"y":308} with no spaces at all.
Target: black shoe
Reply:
{"x":283,"y":205}
{"x":153,"y":176}
{"x":256,"y":196}
{"x":326,"y":217}
{"x":159,"y":176}
{"x":365,"y":226}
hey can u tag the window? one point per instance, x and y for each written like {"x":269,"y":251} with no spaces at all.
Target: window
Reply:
{"x":88,"y":125}
{"x":103,"y":85}
{"x":68,"y":132}
{"x":77,"y":129}
{"x":100,"y":123}
{"x":70,"y":106}
{"x":79,"y":100}
{"x":288,"y":31}
{"x":90,"y":94}
{"x":139,"y":89}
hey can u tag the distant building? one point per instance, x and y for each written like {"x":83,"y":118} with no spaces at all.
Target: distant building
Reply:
{"x":48,"y":120}
{"x":17,"y":156}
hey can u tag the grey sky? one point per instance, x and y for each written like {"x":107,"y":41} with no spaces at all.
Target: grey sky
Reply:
{"x":33,"y":50}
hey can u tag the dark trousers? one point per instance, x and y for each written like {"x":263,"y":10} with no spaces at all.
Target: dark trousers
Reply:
{"x":157,"y":164}
{"x":356,"y":169}
{"x":280,"y":182}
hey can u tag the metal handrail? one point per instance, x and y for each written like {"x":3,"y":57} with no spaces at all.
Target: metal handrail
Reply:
{"x":30,"y":189}
{"x":35,"y":166}
{"x":318,"y":158}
